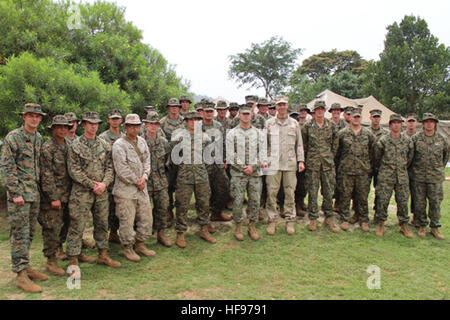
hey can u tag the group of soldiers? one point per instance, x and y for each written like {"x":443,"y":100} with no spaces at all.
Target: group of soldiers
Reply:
{"x":258,"y":147}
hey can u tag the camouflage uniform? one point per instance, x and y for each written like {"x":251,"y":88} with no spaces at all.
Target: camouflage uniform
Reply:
{"x":20,"y":171}
{"x":431,"y":154}
{"x":355,"y":161}
{"x":320,"y":146}
{"x":378,"y":134}
{"x":258,"y":121}
{"x":55,"y":185}
{"x":88,"y":161}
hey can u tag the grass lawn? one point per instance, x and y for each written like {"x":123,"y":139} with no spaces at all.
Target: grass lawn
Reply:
{"x":307,"y":265}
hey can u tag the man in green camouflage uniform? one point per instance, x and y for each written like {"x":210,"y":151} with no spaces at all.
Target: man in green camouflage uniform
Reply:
{"x":320,"y":142}
{"x":112,"y":135}
{"x":91,"y":169}
{"x":233,"y":109}
{"x":244,"y":148}
{"x":347,"y":114}
{"x":412,"y":120}
{"x":192,"y":177}
{"x":157,"y":184}
{"x":355,"y":162}
{"x":20,"y":174}
{"x":263,"y":108}
{"x":74,"y":121}
{"x":221,"y":117}
{"x":185,"y":102}
{"x":431,"y":155}
{"x":393,"y":154}
{"x":55,"y":192}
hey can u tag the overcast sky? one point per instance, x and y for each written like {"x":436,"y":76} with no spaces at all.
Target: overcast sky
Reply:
{"x":198,"y":36}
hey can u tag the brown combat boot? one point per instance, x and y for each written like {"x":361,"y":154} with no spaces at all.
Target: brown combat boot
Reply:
{"x":73,"y":261}
{"x":238,"y":232}
{"x":435,"y":232}
{"x":379,"y":232}
{"x":312,"y":225}
{"x":211,"y":228}
{"x":180,"y":242}
{"x":129,"y":253}
{"x":422,"y":232}
{"x":162,"y":238}
{"x":114,"y":237}
{"x":141,"y":249}
{"x":221,"y":217}
{"x":271,"y":228}
{"x":404,"y":229}
{"x":86,"y":244}
{"x":252,"y":231}
{"x":34,"y":275}
{"x":60,"y":254}
{"x":103,"y":258}
{"x":205,"y":235}
{"x":53,"y":267}
{"x":365,"y":226}
{"x":344,"y":226}
{"x":354,"y":219}
{"x":299,"y":208}
{"x":85,"y":258}
{"x":23,"y":282}
{"x":290,"y":229}
{"x":328,"y":222}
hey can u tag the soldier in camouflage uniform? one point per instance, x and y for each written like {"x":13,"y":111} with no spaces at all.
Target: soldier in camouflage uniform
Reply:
{"x":393,"y":154}
{"x":20,"y":174}
{"x":258,"y":120}
{"x":131,"y":160}
{"x":431,"y":155}
{"x":347,"y":114}
{"x":320,"y":142}
{"x":411,"y":129}
{"x":55,"y":192}
{"x":112,"y":135}
{"x":245,"y":167}
{"x":221,"y":117}
{"x":233,"y":109}
{"x":91,"y":169}
{"x":263,"y":108}
{"x":157,"y":184}
{"x":199,"y":108}
{"x":355,"y":162}
{"x":272,"y":109}
{"x":185,"y":102}
{"x":192,"y":178}
{"x":74,"y":121}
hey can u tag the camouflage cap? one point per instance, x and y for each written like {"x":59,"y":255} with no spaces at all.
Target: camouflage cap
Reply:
{"x":302,"y":106}
{"x":245,"y":108}
{"x":429,"y":116}
{"x":152,"y":117}
{"x":348,"y":110}
{"x":263,"y":102}
{"x":115,"y":114}
{"x":233,"y":105}
{"x":150,"y":108}
{"x":208,"y":106}
{"x":272,"y":104}
{"x":173,"y":102}
{"x":335,"y":106}
{"x":192,"y":115}
{"x":71,"y":116}
{"x":395,"y":117}
{"x":251,"y":98}
{"x":319,"y":104}
{"x":412,"y":117}
{"x":91,"y":117}
{"x":221,"y":105}
{"x":60,"y":120}
{"x":32,"y":108}
{"x":185,"y":98}
{"x":356,"y":112}
{"x":132,"y":119}
{"x":281,"y":99}
{"x":376,"y":113}
{"x":198,"y":106}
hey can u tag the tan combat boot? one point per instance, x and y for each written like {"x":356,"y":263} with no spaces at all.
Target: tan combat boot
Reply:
{"x":211,"y":228}
{"x":73,"y":261}
{"x":60,"y":254}
{"x":114,"y":237}
{"x":252,"y":231}
{"x":141,"y":249}
{"x":404,"y":229}
{"x":204,"y":234}
{"x":238,"y":232}
{"x":103,"y":258}
{"x":328,"y":222}
{"x":290,"y":229}
{"x":435,"y":232}
{"x":365,"y":226}
{"x":221,"y":217}
{"x":53,"y":267}
{"x":23,"y":282}
{"x":354,"y":219}
{"x":271,"y":228}
{"x":34,"y":275}
{"x":344,"y":226}
{"x":422,"y":232}
{"x":312,"y":225}
{"x":85,"y":258}
{"x":162,"y":238}
{"x":129,"y":253}
{"x":180,"y":242}
{"x":379,"y":232}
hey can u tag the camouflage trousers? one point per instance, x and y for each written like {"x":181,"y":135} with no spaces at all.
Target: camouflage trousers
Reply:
{"x":22,"y":221}
{"x":52,"y":222}
{"x":160,"y":208}
{"x":113,"y":221}
{"x":134,"y":212}
{"x":220,"y":188}
{"x":183,"y":195}
{"x":83,"y":202}
{"x":384,"y":191}
{"x":289,"y":179}
{"x":253,"y":186}
{"x":433,"y":192}
{"x":356,"y":187}
{"x":411,"y":191}
{"x":327,"y":181}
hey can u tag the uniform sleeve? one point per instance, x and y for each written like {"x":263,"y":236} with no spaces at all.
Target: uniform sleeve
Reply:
{"x":123,"y":171}
{"x":377,"y":154}
{"x":305,"y":140}
{"x":76,"y":171}
{"x":48,"y":184}
{"x":446,"y":155}
{"x":147,"y":162}
{"x":8,"y":168}
{"x":372,"y":145}
{"x":410,"y":152}
{"x":335,"y":142}
{"x":299,"y":143}
{"x":109,"y":167}
{"x":337,"y":158}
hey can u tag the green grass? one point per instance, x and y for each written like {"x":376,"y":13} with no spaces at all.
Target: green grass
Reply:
{"x":305,"y":266}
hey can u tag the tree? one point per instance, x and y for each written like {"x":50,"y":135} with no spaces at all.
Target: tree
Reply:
{"x":413,"y":71}
{"x":267,"y":65}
